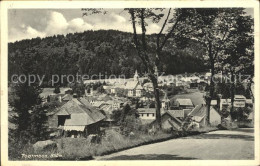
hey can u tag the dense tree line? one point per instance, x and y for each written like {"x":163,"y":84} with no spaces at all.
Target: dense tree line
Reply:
{"x":93,"y":52}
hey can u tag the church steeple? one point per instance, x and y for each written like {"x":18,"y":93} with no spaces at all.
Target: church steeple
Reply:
{"x":136,"y":76}
{"x":156,"y":71}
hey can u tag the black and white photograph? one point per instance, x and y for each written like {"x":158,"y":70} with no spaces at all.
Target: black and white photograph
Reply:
{"x":130,"y":82}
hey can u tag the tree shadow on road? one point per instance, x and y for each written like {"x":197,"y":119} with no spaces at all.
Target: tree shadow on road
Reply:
{"x":222,"y":136}
{"x":245,"y":130}
{"x":150,"y":157}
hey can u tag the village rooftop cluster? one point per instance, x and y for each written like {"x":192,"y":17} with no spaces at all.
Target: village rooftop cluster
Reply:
{"x":89,"y":114}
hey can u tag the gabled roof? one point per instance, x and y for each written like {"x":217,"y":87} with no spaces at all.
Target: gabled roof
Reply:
{"x":186,"y":111}
{"x":139,"y":87}
{"x":105,"y":98}
{"x":62,"y":112}
{"x":131,"y":84}
{"x":98,"y":103}
{"x":148,"y":85}
{"x":146,"y":110}
{"x":81,"y":112}
{"x":49,"y":91}
{"x":177,"y":113}
{"x":174,"y":117}
{"x":199,"y":110}
{"x":185,"y":102}
{"x":107,"y":108}
{"x":91,"y":98}
{"x":67,"y":97}
{"x":85,"y":102}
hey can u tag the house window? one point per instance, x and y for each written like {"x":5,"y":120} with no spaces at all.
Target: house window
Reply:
{"x":153,"y":115}
{"x":147,"y":115}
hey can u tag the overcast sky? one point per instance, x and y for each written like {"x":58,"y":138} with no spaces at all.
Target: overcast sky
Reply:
{"x":31,"y":23}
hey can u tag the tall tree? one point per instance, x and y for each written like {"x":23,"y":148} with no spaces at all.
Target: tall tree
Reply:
{"x":215,"y":29}
{"x":238,"y":50}
{"x":22,"y":99}
{"x":152,"y":61}
{"x":151,"y":53}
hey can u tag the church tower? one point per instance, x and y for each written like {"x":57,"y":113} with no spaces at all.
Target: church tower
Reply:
{"x":136,"y":76}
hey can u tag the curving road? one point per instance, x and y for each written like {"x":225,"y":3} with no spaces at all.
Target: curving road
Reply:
{"x":217,"y":145}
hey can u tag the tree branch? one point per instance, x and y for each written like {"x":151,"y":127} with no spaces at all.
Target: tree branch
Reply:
{"x":143,"y":29}
{"x":164,"y":24}
{"x":139,"y":53}
{"x":221,"y":42}
{"x":169,"y":34}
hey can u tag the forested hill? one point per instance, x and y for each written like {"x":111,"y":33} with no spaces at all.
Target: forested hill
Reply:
{"x":93,"y":52}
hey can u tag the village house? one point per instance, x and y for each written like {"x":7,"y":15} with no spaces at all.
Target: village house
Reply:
{"x":146,"y":113}
{"x":169,"y":122}
{"x":194,"y":79}
{"x":207,"y":75}
{"x":179,"y":83}
{"x":198,"y":116}
{"x":183,"y":104}
{"x":78,"y":118}
{"x":165,"y":101}
{"x":89,"y":92}
{"x":91,"y":99}
{"x":180,"y":114}
{"x":113,"y":90}
{"x":148,"y":87}
{"x":239,"y":101}
{"x":49,"y":93}
{"x":134,"y":87}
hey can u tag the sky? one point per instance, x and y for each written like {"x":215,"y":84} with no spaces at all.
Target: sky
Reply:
{"x":31,"y":23}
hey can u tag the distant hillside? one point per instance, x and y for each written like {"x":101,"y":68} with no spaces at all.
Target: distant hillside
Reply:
{"x":93,"y":52}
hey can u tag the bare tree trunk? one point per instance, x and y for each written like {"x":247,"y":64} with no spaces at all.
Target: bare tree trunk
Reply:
{"x":250,"y":90}
{"x":232,"y":94}
{"x":211,"y":86}
{"x":157,"y":100}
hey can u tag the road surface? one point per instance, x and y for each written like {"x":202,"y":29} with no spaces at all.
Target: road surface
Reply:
{"x":217,"y":145}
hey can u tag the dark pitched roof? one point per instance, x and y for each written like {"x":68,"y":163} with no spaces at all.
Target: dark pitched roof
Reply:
{"x":177,"y":113}
{"x":146,"y":110}
{"x":81,"y":112}
{"x":199,"y":110}
{"x":171,"y":115}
